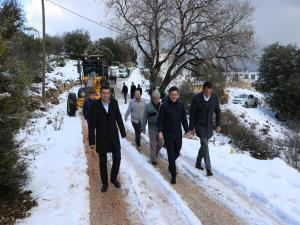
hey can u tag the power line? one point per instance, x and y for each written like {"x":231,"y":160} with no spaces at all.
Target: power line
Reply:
{"x":83,"y":17}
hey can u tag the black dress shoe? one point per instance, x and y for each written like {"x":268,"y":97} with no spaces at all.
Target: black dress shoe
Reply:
{"x":209,"y":173}
{"x":116,"y":183}
{"x":104,"y":188}
{"x":198,"y":166}
{"x":173,"y":180}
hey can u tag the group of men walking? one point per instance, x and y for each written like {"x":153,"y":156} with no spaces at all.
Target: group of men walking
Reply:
{"x":133,"y":88}
{"x":165,"y":121}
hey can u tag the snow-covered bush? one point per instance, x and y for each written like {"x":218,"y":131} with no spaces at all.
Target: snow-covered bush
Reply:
{"x":244,"y":138}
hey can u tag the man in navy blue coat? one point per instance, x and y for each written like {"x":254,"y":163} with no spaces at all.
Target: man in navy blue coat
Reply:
{"x":87,"y":104}
{"x":170,"y":118}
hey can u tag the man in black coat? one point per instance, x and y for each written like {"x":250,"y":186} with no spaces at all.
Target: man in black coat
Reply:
{"x":140,"y":89}
{"x":105,"y":115}
{"x":203,"y":106}
{"x":85,"y":109}
{"x":170,"y":117}
{"x":132,"y":90}
{"x":125,"y":92}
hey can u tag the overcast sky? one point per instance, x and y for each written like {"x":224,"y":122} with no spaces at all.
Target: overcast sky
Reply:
{"x":274,"y":20}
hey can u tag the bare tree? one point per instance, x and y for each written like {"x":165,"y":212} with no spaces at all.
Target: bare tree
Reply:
{"x":185,"y":33}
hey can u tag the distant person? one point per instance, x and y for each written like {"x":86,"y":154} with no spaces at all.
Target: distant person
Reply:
{"x":128,"y":71}
{"x":125,"y":92}
{"x":170,"y":118}
{"x":136,"y":108}
{"x":150,"y":117}
{"x":105,"y":115}
{"x":203,"y":106}
{"x":85,"y":109}
{"x":140,"y":89}
{"x":115,"y":78}
{"x":132,"y":90}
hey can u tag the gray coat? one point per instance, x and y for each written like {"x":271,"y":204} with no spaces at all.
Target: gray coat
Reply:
{"x":201,"y":115}
{"x":150,"y":116}
{"x":137,"y":110}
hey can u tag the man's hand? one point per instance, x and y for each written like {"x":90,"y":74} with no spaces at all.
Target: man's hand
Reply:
{"x":161,"y":136}
{"x":189,"y":134}
{"x":218,"y":129}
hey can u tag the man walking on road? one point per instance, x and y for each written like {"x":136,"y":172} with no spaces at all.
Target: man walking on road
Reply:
{"x":136,"y":108}
{"x":125,"y":92}
{"x":150,"y":117}
{"x":85,"y":110}
{"x":105,"y":115}
{"x":203,"y":106}
{"x":132,"y":90}
{"x":171,"y":115}
{"x":140,"y":89}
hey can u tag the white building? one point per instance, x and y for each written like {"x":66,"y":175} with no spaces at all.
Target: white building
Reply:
{"x":243,"y":77}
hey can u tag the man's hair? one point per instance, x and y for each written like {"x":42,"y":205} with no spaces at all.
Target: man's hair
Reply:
{"x":207,"y":84}
{"x":105,"y":87}
{"x":173,"y":88}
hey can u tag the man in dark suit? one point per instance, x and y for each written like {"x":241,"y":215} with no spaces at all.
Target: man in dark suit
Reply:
{"x":203,"y":106}
{"x":125,"y":92}
{"x":105,"y":114}
{"x":132,"y":90}
{"x":170,"y":118}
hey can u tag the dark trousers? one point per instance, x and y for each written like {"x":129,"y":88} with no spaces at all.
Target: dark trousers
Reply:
{"x":132,"y":95}
{"x":138,"y":131}
{"x":125,"y":97}
{"x":91,"y":134}
{"x":116,"y":155}
{"x":204,"y":153}
{"x":173,"y":146}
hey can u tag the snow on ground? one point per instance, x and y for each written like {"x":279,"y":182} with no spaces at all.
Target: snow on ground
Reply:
{"x":262,"y":116}
{"x":136,"y":77}
{"x":272,"y":184}
{"x":61,"y":75}
{"x":149,"y":192}
{"x":58,"y":168}
{"x":260,"y":191}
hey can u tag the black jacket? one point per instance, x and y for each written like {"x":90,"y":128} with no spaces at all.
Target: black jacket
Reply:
{"x":87,"y":104}
{"x":201,"y":115}
{"x":140,"y":89}
{"x":170,"y":117}
{"x":124,"y":90}
{"x":106,"y":125}
{"x":132,"y":89}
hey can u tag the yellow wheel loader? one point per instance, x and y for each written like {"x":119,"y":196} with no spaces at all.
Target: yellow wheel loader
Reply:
{"x":93,"y":73}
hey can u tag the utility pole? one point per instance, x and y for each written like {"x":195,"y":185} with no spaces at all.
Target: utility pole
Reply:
{"x":43,"y":52}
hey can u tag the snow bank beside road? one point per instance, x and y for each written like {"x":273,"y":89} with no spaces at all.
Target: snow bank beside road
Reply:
{"x":59,"y":179}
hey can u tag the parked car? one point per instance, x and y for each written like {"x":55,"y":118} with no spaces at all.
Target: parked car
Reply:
{"x":122,"y":73}
{"x":251,"y":101}
{"x":240,"y":99}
